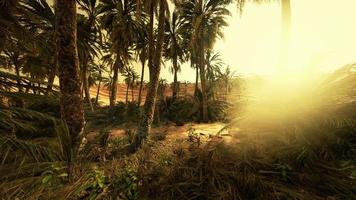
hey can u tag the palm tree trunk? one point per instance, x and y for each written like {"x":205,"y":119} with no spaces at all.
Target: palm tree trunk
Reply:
{"x":19,"y":84}
{"x":157,"y":118}
{"x":286,"y":18}
{"x":286,"y":28}
{"x":151,"y":46}
{"x":52,"y":73}
{"x":114,"y":83}
{"x":51,"y":77}
{"x":68,"y":63}
{"x":97,"y":92}
{"x":86,"y":87}
{"x":33,"y":85}
{"x":141,"y":83}
{"x":175,"y":85}
{"x":127,"y":92}
{"x":203,"y":83}
{"x":39,"y":88}
{"x":175,"y":80}
{"x":149,"y":107}
{"x":196,"y":79}
{"x":132,"y":93}
{"x":28,"y":87}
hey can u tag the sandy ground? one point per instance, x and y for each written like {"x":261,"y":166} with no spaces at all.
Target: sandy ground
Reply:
{"x":121,"y":92}
{"x":173,"y":132}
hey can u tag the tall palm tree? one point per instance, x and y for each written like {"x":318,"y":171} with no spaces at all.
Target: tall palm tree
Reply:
{"x":226,"y":78}
{"x":124,"y":23}
{"x":142,"y":54}
{"x":97,"y":71}
{"x":214,"y":65}
{"x":108,"y":59}
{"x":127,"y":81}
{"x":68,"y":63}
{"x":134,"y":78}
{"x":90,"y":35}
{"x":174,"y":46}
{"x":154,"y":63}
{"x":39,"y":18}
{"x":88,"y":50}
{"x":131,"y":76}
{"x":205,"y":19}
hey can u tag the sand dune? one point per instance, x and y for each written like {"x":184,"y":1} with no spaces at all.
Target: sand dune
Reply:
{"x":121,"y":92}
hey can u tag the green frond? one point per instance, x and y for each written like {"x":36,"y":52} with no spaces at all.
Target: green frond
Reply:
{"x":28,"y":150}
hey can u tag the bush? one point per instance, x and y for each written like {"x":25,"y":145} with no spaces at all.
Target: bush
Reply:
{"x":133,"y":112}
{"x":48,"y":106}
{"x":125,"y":185}
{"x":218,"y":110}
{"x":188,"y":109}
{"x":120,"y":114}
{"x":183,"y":110}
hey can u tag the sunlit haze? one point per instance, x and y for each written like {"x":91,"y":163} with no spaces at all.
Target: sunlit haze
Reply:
{"x":322,"y":39}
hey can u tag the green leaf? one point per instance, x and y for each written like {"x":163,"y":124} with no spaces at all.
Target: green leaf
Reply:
{"x":63,"y":175}
{"x":47,"y":179}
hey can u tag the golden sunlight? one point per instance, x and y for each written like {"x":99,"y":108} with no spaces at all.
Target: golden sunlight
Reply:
{"x":322,"y":37}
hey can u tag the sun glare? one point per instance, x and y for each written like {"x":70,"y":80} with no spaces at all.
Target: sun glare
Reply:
{"x":318,"y":42}
{"x":318,"y":45}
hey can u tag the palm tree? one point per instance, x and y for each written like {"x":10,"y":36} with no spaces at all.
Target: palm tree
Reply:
{"x":131,"y":76}
{"x":124,"y":23}
{"x":97,"y":71}
{"x":174,"y":45}
{"x":108,"y":59}
{"x":89,"y":43}
{"x":227,"y":78}
{"x":15,"y":58}
{"x":142,"y":54}
{"x":205,"y":19}
{"x":88,"y":50}
{"x":127,"y":80}
{"x":154,"y":63}
{"x":39,"y":18}
{"x":9,"y":24}
{"x":162,"y":86}
{"x":134,"y":77}
{"x":68,"y":63}
{"x":214,"y":64}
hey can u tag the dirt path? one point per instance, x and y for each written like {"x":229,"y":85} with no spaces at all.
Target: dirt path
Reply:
{"x":173,"y":132}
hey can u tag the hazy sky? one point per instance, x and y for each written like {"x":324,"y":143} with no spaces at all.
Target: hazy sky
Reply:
{"x":323,"y":37}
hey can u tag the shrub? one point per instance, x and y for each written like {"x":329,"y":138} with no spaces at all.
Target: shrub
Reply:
{"x":183,"y":110}
{"x":218,"y":110}
{"x":121,"y":113}
{"x":125,"y":185}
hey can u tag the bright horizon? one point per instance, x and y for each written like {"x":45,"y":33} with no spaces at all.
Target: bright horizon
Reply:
{"x":322,"y":39}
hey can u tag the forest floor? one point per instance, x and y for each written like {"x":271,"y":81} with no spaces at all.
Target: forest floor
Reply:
{"x":172,"y":132}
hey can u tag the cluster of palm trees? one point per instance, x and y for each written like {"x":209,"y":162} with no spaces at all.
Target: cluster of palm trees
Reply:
{"x":105,"y":37}
{"x":131,"y":77}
